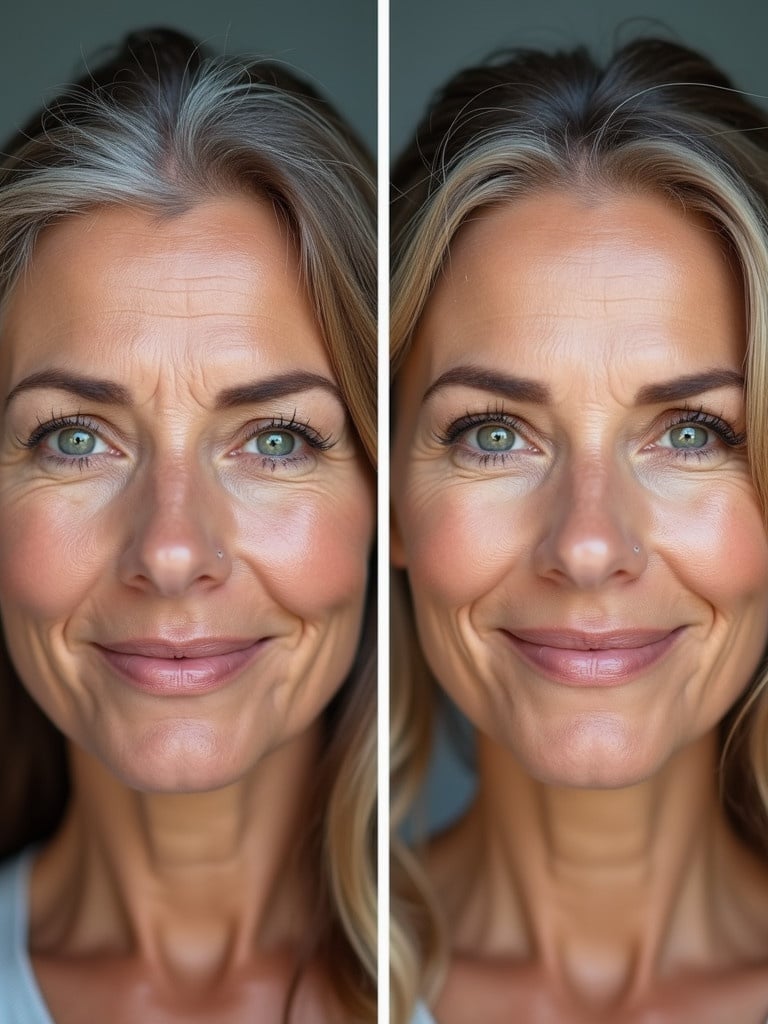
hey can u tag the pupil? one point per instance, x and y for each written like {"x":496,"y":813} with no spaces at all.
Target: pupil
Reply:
{"x":76,"y":442}
{"x":275,"y":442}
{"x":495,"y":439}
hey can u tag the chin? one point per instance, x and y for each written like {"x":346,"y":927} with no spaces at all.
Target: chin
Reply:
{"x":179,"y":757}
{"x":595,"y":751}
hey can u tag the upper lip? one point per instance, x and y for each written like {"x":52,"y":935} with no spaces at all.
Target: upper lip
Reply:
{"x":603,"y":640}
{"x":197,"y":647}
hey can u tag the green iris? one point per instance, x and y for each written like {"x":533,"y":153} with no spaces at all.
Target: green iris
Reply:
{"x":275,"y":443}
{"x":689,"y":436}
{"x":76,"y":441}
{"x":496,"y":438}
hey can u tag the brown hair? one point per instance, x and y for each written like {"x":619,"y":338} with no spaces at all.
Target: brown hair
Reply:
{"x":162,"y":126}
{"x":657,"y":118}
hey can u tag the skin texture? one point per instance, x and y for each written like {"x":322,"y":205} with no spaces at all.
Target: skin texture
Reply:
{"x":186,"y":806}
{"x":598,"y":858}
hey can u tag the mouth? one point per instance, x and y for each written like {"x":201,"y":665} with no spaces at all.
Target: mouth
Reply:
{"x":577,"y":658}
{"x":183,"y":667}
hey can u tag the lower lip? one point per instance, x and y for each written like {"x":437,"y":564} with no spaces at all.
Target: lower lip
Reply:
{"x":180,"y":677}
{"x":608,"y":667}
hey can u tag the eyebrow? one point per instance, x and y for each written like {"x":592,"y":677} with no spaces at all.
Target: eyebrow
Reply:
{"x":516,"y":389}
{"x":276,"y":387}
{"x":689,"y":386}
{"x":93,"y":388}
{"x":111,"y":393}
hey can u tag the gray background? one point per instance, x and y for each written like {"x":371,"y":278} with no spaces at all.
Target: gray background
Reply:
{"x":431,"y":39}
{"x":43,"y":44}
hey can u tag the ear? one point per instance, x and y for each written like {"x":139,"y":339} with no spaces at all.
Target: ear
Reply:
{"x":396,"y":546}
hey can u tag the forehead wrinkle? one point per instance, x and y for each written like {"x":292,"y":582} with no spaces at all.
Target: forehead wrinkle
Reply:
{"x":185,"y":299}
{"x":608,"y":294}
{"x":118,"y":300}
{"x":176,"y":285}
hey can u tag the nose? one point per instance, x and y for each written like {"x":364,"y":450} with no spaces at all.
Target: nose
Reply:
{"x":177,"y":538}
{"x":591,"y":528}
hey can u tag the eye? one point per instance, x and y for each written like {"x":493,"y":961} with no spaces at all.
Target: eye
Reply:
{"x":275,"y":443}
{"x":487,"y":440}
{"x":75,"y":442}
{"x":688,"y":436}
{"x":495,"y":437}
{"x":700,"y":433}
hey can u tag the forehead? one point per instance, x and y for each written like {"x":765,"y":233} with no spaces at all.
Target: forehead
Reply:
{"x":224,"y":274}
{"x":620,"y":281}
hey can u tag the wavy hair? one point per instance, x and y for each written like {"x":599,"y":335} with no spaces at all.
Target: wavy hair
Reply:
{"x":657,"y":119}
{"x":162,"y":126}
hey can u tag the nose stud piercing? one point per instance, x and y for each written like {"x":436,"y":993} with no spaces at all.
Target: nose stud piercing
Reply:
{"x":636,"y":549}
{"x":220,"y":554}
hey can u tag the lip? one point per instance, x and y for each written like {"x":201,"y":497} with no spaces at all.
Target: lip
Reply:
{"x":605,"y":658}
{"x":180,"y":668}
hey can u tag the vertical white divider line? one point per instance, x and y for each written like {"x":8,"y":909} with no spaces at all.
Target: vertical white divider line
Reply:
{"x":383,"y":510}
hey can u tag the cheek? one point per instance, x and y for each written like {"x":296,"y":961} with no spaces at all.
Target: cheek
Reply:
{"x":312,"y":549}
{"x":717,"y":543}
{"x":461,"y":542}
{"x":51,"y":553}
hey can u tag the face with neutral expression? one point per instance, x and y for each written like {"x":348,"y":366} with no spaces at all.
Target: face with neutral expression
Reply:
{"x":185,"y":516}
{"x":573,"y":501}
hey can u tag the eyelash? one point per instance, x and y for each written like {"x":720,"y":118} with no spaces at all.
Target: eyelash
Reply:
{"x":452,"y":433}
{"x":308,"y":432}
{"x":304,"y":430}
{"x":44,"y":429}
{"x":716,"y":424}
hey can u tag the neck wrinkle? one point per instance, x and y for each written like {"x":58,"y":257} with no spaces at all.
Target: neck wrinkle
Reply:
{"x":604,"y":888}
{"x":192,"y":884}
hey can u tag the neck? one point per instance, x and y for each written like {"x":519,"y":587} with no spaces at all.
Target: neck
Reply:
{"x":191,"y":883}
{"x":602,"y":888}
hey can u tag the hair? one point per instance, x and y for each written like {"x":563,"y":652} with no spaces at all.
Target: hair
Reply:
{"x":658,"y":119}
{"x":161,"y":126}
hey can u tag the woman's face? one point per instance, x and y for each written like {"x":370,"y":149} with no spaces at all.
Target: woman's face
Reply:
{"x":572,"y":496}
{"x":185,"y":517}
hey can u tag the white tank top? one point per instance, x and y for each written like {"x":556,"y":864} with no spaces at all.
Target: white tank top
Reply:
{"x":421,"y":1015}
{"x":20,"y":998}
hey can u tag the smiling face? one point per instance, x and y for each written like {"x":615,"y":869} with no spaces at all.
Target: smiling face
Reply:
{"x":185,"y":516}
{"x":572,"y":496}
